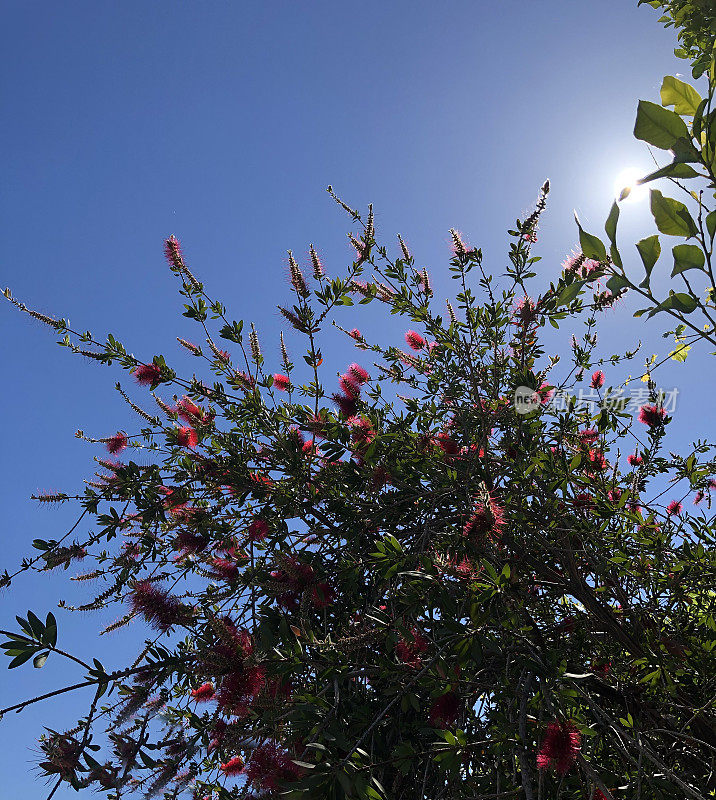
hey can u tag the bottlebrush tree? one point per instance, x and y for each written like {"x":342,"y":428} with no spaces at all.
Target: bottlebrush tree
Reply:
{"x":393,"y":582}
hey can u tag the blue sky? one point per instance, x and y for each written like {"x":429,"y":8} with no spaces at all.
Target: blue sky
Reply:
{"x":223,"y":122}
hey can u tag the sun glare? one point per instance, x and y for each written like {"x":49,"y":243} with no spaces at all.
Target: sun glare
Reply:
{"x":627,"y":180}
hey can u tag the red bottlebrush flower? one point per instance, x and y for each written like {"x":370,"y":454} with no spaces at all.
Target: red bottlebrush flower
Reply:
{"x":614,"y":494}
{"x":270,"y":765}
{"x":172,"y":252}
{"x":447,"y":444}
{"x":409,"y":650}
{"x":415,"y":340}
{"x":147,"y":374}
{"x":260,"y":483}
{"x":346,"y":405}
{"x":712,"y":484}
{"x":224,"y":569}
{"x":635,"y":459}
{"x":308,"y":446}
{"x":358,"y":373}
{"x":546,"y":393}
{"x":240,"y":688}
{"x":583,"y":500}
{"x":445,"y":710}
{"x":560,"y":747}
{"x":597,"y":380}
{"x":187,"y":437}
{"x":204,"y":693}
{"x":159,"y":608}
{"x":323,"y":595}
{"x":244,"y":380}
{"x":597,"y":461}
{"x":598,"y":795}
{"x":380,"y":478}
{"x":258,"y":530}
{"x":355,"y":334}
{"x":191,"y":542}
{"x":281,"y":382}
{"x":117,"y":443}
{"x":189,"y":411}
{"x":673,"y":508}
{"x":233,"y":766}
{"x":486,"y":522}
{"x":698,"y":497}
{"x":601,"y":668}
{"x":361,"y":429}
{"x":349,"y":386}
{"x":243,"y":645}
{"x":651,"y":415}
{"x":588,"y":436}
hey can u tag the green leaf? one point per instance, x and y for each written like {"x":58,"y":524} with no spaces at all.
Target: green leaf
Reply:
{"x":616,"y":258}
{"x":50,"y":637}
{"x":684,"y":150}
{"x":682,"y":96}
{"x":38,"y":628}
{"x":676,"y":301}
{"x":610,"y":226}
{"x":687,"y":256}
{"x":569,"y":293}
{"x":711,"y":224}
{"x":39,"y":661}
{"x":671,"y":216}
{"x":616,"y":283}
{"x":676,"y":169}
{"x":592,"y":246}
{"x":21,"y":659}
{"x":658,"y":126}
{"x":649,"y":250}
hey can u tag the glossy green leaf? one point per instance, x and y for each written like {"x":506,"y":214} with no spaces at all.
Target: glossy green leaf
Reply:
{"x":616,"y":258}
{"x":671,"y":216}
{"x":50,"y":637}
{"x":610,"y":226}
{"x":687,"y":256}
{"x":21,"y":659}
{"x":711,"y":224}
{"x":676,"y":169}
{"x":36,"y":624}
{"x":658,"y":126}
{"x":677,"y":301}
{"x":569,"y":293}
{"x":592,"y":246}
{"x":649,"y":250}
{"x":682,"y":96}
{"x":616,"y":283}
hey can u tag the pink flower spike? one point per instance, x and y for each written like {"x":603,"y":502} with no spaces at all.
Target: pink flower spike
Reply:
{"x":358,"y":373}
{"x":651,"y":415}
{"x":674,"y":508}
{"x":204,"y":693}
{"x":597,"y":380}
{"x":147,"y":374}
{"x":281,"y":382}
{"x":187,"y":437}
{"x":117,"y":443}
{"x":415,"y":340}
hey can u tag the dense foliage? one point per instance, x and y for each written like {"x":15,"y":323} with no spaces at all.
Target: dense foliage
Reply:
{"x":445,"y":572}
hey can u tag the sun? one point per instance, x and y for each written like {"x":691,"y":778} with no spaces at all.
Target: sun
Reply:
{"x":627,"y":180}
